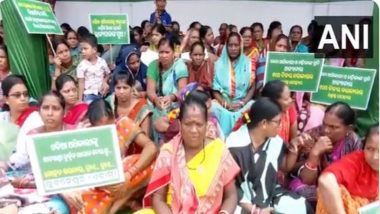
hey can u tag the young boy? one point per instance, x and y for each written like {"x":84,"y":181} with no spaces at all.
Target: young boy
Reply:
{"x":92,"y":72}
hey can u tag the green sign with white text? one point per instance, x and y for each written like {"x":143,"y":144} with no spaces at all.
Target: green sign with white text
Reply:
{"x":300,"y":71}
{"x":110,"y":29}
{"x":38,"y":17}
{"x":75,"y":160}
{"x":350,"y":85}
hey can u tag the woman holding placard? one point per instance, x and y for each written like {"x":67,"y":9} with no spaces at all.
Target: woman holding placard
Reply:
{"x":18,"y":111}
{"x":51,"y":111}
{"x":137,"y":167}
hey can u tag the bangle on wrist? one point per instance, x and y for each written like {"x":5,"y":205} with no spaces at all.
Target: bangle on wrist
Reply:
{"x":311,"y":166}
{"x":223,"y":212}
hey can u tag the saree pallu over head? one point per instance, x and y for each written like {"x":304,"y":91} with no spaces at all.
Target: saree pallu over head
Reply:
{"x":192,"y":190}
{"x":233,"y":82}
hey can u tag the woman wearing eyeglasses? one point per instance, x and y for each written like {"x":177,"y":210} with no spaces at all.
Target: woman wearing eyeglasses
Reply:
{"x":18,"y":111}
{"x":261,"y":154}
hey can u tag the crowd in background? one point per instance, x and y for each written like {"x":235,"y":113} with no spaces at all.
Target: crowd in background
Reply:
{"x":198,"y":130}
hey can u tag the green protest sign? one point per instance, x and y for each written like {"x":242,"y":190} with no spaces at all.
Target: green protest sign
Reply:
{"x":110,"y":29}
{"x":300,"y":71}
{"x":350,"y":85}
{"x":38,"y":17}
{"x":75,"y":160}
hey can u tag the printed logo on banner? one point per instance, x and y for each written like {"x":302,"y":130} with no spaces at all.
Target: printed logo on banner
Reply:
{"x":343,"y":37}
{"x":75,"y":160}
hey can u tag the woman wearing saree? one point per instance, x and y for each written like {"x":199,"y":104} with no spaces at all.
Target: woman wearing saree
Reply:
{"x":18,"y":111}
{"x":279,"y":92}
{"x":193,"y":174}
{"x":130,"y":62}
{"x":260,"y":153}
{"x":64,"y":62}
{"x":52,"y":111}
{"x":124,"y":103}
{"x":328,"y":143}
{"x":201,"y":70}
{"x":166,"y":76}
{"x":353,"y":181}
{"x":137,"y":167}
{"x":233,"y":85}
{"x":169,"y":126}
{"x":248,"y":47}
{"x":75,"y":111}
{"x":295,"y":36}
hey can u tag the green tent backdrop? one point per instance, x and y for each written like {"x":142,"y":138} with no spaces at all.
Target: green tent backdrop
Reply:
{"x":371,"y":115}
{"x":27,"y":52}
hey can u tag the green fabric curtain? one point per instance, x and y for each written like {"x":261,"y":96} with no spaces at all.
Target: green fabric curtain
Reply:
{"x":371,"y":115}
{"x":27,"y":52}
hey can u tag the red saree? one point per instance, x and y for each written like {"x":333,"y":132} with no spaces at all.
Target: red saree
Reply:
{"x":76,"y":114}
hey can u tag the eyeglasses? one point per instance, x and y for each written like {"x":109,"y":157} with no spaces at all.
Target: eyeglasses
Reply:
{"x":19,"y":94}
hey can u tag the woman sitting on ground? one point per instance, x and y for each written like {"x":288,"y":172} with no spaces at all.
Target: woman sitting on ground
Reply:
{"x":353,"y":181}
{"x":193,"y":174}
{"x":137,"y":167}
{"x":327,"y":143}
{"x":261,"y":153}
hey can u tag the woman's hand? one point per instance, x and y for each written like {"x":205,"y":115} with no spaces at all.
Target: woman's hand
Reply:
{"x":166,"y":102}
{"x":74,"y":199}
{"x":322,"y":146}
{"x":104,"y":88}
{"x":23,"y":182}
{"x":118,"y":191}
{"x":161,"y":124}
{"x":234,"y":106}
{"x":299,"y":142}
{"x":57,"y":62}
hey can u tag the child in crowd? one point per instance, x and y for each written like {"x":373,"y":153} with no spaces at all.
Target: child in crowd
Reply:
{"x":92,"y":72}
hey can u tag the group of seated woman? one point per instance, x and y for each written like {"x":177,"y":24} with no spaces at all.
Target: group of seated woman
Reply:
{"x":199,"y":136}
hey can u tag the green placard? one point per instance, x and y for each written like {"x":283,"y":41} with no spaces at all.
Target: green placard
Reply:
{"x":300,"y":71}
{"x":111,"y":28}
{"x":350,"y":85}
{"x":38,"y":17}
{"x":75,"y":160}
